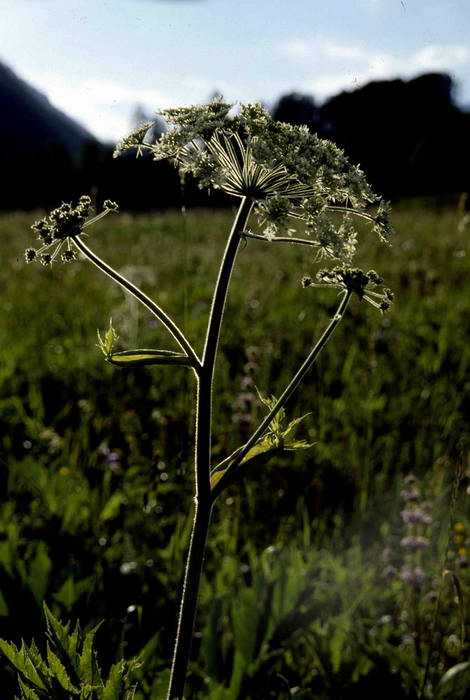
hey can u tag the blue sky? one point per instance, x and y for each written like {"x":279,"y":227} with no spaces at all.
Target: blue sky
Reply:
{"x":98,"y":59}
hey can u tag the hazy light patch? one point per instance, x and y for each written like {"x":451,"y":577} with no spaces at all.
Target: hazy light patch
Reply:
{"x":436,"y":57}
{"x":104,"y":107}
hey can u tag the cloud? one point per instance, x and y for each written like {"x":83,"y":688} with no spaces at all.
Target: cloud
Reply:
{"x":344,"y":66}
{"x":302,"y":49}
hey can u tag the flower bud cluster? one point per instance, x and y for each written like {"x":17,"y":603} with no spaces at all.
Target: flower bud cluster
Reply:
{"x":354,"y":280}
{"x":337,"y":243}
{"x":60,"y":228}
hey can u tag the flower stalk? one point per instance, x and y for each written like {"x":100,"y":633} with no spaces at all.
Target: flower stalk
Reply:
{"x":203,"y":498}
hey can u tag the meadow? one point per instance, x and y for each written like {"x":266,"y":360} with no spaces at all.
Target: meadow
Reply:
{"x":309,"y":590}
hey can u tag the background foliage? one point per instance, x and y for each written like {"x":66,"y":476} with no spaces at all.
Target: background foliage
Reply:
{"x":96,"y":462}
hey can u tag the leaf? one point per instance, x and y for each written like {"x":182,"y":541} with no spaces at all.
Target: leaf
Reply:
{"x":21,"y":662}
{"x":113,"y":687}
{"x":88,"y":668}
{"x":26,"y":692}
{"x":270,"y":401}
{"x":56,"y":631}
{"x":258,"y":455}
{"x":59,"y":671}
{"x":68,"y":594}
{"x":292,"y":445}
{"x":293,"y":425}
{"x":39,"y":572}
{"x":110,"y":338}
{"x":132,"y":358}
{"x":454,"y":671}
{"x":112,"y":506}
{"x":455,"y":682}
{"x":274,"y":442}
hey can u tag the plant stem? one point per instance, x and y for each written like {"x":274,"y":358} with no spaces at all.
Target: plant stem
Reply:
{"x":188,"y":605}
{"x":169,"y":324}
{"x":203,"y":498}
{"x":281,"y":239}
{"x":287,"y":393}
{"x":223,"y":280}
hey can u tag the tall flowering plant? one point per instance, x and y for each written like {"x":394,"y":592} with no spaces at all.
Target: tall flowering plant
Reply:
{"x":301,"y":190}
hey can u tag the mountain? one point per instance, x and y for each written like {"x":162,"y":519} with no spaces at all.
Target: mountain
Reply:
{"x":29,"y":121}
{"x":43,"y":151}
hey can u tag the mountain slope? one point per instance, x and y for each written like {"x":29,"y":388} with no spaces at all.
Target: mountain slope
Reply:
{"x":28,"y":120}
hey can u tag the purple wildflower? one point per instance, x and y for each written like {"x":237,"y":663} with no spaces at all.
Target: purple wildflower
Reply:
{"x":414,"y":543}
{"x":244,"y":401}
{"x":413,"y":575}
{"x":410,"y":496}
{"x":390,"y":572}
{"x":415,"y":516}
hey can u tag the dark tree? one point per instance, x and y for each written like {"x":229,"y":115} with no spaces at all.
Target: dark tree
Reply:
{"x":297,"y":109}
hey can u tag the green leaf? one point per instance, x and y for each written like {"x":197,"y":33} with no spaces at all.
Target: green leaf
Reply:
{"x":21,"y":661}
{"x":455,"y":682}
{"x":58,"y":669}
{"x":26,"y":692}
{"x":113,"y":687}
{"x":56,"y":631}
{"x":258,"y":455}
{"x":88,"y":668}
{"x":112,"y":506}
{"x":273,"y":442}
{"x":68,"y":594}
{"x":292,"y":445}
{"x":39,"y":572}
{"x":293,"y":425}
{"x":132,"y":358}
{"x":106,"y":345}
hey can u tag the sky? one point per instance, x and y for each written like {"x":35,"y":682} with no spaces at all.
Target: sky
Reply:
{"x":98,"y":59}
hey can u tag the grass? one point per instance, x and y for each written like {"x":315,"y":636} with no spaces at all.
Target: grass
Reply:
{"x":300,"y":541}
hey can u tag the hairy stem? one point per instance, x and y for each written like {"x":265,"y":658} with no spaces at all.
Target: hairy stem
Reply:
{"x":286,"y":394}
{"x":192,"y":577}
{"x":169,"y":324}
{"x":203,"y":498}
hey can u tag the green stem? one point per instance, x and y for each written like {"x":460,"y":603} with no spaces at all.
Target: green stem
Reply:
{"x":169,"y":324}
{"x":203,"y":498}
{"x":223,"y":280}
{"x":286,"y":394}
{"x":192,"y":577}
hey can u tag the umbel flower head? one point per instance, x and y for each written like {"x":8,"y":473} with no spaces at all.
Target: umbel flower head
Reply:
{"x":63,"y":225}
{"x":292,"y":176}
{"x":362,"y":284}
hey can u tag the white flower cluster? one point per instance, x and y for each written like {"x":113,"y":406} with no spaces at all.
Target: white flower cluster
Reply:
{"x":291,"y":174}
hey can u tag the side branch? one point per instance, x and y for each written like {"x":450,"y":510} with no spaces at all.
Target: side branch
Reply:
{"x":350,"y":210}
{"x":169,"y":324}
{"x":280,"y":239}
